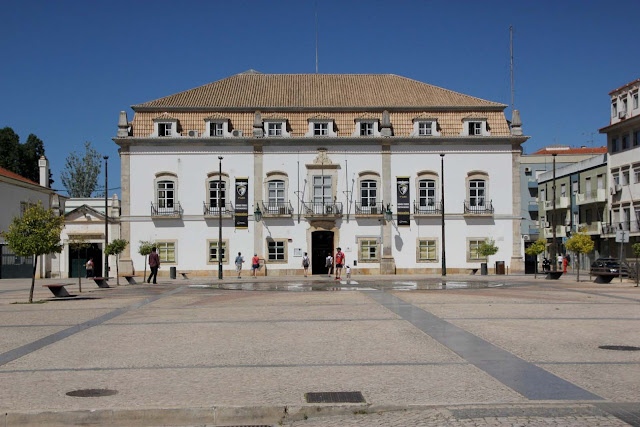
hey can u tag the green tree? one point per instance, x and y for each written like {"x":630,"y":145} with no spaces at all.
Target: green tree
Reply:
{"x":536,"y":249}
{"x":21,"y":158}
{"x":145,"y":249}
{"x":79,"y":243}
{"x":636,"y":251}
{"x":487,"y":248}
{"x":115,"y":248}
{"x":35,"y":233}
{"x":81,"y":172}
{"x":579,"y":243}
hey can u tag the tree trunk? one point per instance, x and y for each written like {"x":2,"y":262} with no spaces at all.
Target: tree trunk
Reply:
{"x":33,"y":278}
{"x":578,"y":265}
{"x":144,"y":278}
{"x":79,"y":277}
{"x":117,"y":270}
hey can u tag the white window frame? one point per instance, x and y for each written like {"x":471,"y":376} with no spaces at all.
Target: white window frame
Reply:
{"x":419,"y":122}
{"x":477,"y":199}
{"x":279,"y":186}
{"x":427,"y":189}
{"x":320,"y":181}
{"x":330,"y":131}
{"x":473,"y":244}
{"x":375,"y":129}
{"x":428,"y":243}
{"x":483,"y":129}
{"x":370,"y":243}
{"x":162,"y":185}
{"x":162,"y":247}
{"x":614,"y":108}
{"x":211,"y":123}
{"x":369,"y":186}
{"x":275,"y":128}
{"x":160,"y":124}
{"x":626,"y":177}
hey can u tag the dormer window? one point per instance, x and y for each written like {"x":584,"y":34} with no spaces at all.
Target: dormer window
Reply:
{"x":216,"y":129}
{"x":275,"y":128}
{"x":425,"y":126}
{"x":321,"y":129}
{"x":475,"y":126}
{"x":366,"y":128}
{"x":164,"y":129}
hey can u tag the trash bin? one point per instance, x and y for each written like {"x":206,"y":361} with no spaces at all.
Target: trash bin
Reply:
{"x":172,"y":272}
{"x":499,"y":267}
{"x":483,"y":269}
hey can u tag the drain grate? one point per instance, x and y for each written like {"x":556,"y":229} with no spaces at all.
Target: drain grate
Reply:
{"x":335,"y":397}
{"x":92,"y":392}
{"x":620,"y":347}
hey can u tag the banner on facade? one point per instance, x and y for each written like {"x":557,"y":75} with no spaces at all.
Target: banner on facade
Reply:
{"x":242,"y":203}
{"x":403,"y":201}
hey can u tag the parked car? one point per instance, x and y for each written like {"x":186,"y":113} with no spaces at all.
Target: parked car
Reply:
{"x":609,"y":267}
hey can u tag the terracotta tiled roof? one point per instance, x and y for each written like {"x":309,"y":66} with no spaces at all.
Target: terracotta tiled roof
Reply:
{"x":564,"y":150}
{"x":624,"y":86}
{"x":164,"y":116}
{"x":9,"y":174}
{"x":272,"y":91}
{"x":216,"y":117}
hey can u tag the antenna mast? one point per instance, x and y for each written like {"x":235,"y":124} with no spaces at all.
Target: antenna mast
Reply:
{"x":316,"y":37}
{"x":511,"y":48}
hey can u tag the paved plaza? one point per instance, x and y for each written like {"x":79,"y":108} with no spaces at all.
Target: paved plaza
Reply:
{"x":497,"y":350}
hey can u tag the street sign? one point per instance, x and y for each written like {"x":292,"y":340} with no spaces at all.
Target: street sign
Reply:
{"x":622,"y":236}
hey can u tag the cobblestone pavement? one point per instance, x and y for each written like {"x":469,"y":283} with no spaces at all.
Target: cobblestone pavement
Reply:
{"x":471,"y":352}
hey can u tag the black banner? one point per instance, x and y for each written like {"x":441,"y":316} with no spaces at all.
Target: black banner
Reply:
{"x":242,"y":203}
{"x":403,"y":201}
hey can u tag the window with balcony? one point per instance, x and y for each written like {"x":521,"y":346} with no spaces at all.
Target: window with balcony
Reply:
{"x":427,"y":250}
{"x":600,"y":179}
{"x":217,"y":195}
{"x":368,"y":193}
{"x":165,"y":194}
{"x":166,"y":251}
{"x":587,"y":186}
{"x":427,"y":193}
{"x":322,"y":189}
{"x":276,"y":193}
{"x":477,"y":192}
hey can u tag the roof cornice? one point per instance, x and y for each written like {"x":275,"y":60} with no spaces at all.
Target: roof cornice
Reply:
{"x":249,"y":109}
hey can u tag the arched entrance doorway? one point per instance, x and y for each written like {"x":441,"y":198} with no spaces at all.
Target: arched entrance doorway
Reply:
{"x":321,"y":246}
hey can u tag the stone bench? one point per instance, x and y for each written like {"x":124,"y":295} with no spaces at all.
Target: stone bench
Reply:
{"x":473,"y":271}
{"x":58,"y":290}
{"x":131,"y":280}
{"x":184,"y":275}
{"x":101,"y":282}
{"x":553,"y":275}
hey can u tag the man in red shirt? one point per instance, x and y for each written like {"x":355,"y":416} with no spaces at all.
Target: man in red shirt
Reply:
{"x":339,"y":263}
{"x":154,"y":264}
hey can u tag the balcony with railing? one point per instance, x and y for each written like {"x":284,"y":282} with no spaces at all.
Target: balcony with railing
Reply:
{"x":532,"y":183}
{"x":427,"y":207}
{"x":369,"y":209}
{"x":320,"y":209}
{"x":211,"y":211}
{"x":562,"y":202}
{"x":277,"y":209}
{"x":485,"y":209}
{"x":593,"y":228}
{"x":561,"y":231}
{"x":595,"y":196}
{"x":629,"y":226}
{"x":533,"y":205}
{"x":165,"y":211}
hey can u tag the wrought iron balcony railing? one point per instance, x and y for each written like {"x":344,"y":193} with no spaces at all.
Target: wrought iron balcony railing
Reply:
{"x":369,"y":208}
{"x":175,"y":210}
{"x":323,"y":209}
{"x":277,"y":209}
{"x":486,"y":208}
{"x":226,"y":208}
{"x":427,"y":207}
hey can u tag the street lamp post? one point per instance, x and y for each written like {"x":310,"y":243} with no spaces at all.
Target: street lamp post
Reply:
{"x":219,"y":219}
{"x":106,"y":218}
{"x":444,"y":253}
{"x":553,"y":216}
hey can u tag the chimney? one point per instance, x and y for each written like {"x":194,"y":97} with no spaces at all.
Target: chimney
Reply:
{"x":516,"y":123}
{"x":43,"y":164}
{"x":385,"y":128}
{"x":258,"y":130}
{"x":123,"y":125}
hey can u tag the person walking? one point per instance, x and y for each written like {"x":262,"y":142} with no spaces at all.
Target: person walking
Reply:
{"x":329,"y":264}
{"x":89,"y":267}
{"x":339,"y":263}
{"x":239,"y":262}
{"x":154,"y":265}
{"x":305,"y":264}
{"x":255,"y":265}
{"x":565,"y":262}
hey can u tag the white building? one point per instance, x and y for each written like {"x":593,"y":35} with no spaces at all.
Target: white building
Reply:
{"x":319,"y":158}
{"x":17,"y":193}
{"x":623,"y":142}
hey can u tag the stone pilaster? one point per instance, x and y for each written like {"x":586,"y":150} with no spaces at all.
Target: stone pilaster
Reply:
{"x":387,"y":262}
{"x":125,"y":264}
{"x":258,"y":188}
{"x":517,"y":261}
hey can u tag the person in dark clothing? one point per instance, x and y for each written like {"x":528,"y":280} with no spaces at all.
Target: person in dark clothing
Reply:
{"x":154,"y":264}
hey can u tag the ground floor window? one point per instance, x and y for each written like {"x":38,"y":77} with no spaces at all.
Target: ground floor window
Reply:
{"x":368,"y":250}
{"x":474,"y":246}
{"x":427,"y":250}
{"x":277,"y":250}
{"x":166,"y":251}
{"x":213,"y":251}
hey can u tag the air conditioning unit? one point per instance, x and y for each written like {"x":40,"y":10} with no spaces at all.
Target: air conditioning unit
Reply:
{"x":613,"y":190}
{"x":525,"y":237}
{"x":236,"y":132}
{"x":618,"y":188}
{"x":622,"y":114}
{"x":192,"y":133}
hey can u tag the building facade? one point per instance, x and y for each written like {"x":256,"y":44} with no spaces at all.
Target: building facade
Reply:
{"x":295,"y":163}
{"x":531,"y":168}
{"x":623,"y":142}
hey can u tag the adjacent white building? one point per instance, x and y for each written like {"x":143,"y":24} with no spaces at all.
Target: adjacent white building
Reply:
{"x":310,"y":162}
{"x":623,"y":141}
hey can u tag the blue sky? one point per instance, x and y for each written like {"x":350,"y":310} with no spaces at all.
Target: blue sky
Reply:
{"x":69,"y":67}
